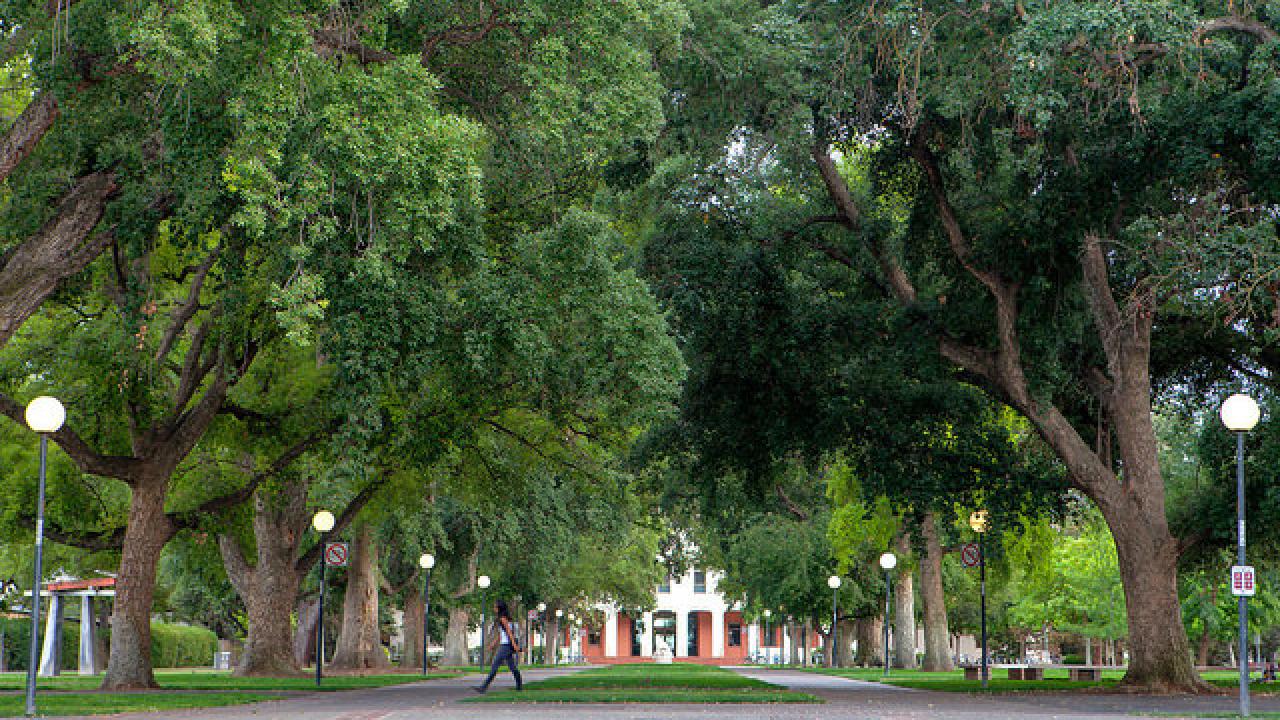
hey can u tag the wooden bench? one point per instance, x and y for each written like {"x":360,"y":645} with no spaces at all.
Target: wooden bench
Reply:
{"x":1085,"y":674}
{"x":1025,"y":672}
{"x":973,"y":673}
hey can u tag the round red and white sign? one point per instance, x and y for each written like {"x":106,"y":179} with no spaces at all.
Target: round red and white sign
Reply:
{"x":970,"y":555}
{"x":335,"y":554}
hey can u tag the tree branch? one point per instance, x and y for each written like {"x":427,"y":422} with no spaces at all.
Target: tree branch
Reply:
{"x":187,"y":310}
{"x":26,"y":131}
{"x":344,"y":519}
{"x":111,"y":466}
{"x":60,"y":249}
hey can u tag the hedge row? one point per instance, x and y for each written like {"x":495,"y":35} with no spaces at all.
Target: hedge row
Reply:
{"x":171,"y":645}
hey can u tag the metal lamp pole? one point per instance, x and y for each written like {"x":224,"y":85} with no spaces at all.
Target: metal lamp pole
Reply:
{"x":426,"y":562}
{"x":833,"y":582}
{"x":978,"y":522}
{"x":483,"y":583}
{"x":1240,"y":414}
{"x":323,"y":523}
{"x":44,"y":415}
{"x":542,"y":621}
{"x":888,"y":561}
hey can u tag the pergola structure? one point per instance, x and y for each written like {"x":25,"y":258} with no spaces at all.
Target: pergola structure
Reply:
{"x":57,"y":592}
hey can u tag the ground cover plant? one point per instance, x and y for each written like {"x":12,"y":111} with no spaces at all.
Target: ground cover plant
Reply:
{"x":75,"y":704}
{"x":649,"y":683}
{"x":206,"y":680}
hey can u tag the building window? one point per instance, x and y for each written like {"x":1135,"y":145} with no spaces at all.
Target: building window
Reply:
{"x":693,"y":634}
{"x":699,"y":581}
{"x":665,"y":586}
{"x":593,"y":636}
{"x":664,"y":631}
{"x":735,"y":635}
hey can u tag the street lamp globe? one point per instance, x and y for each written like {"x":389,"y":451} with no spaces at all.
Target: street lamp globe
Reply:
{"x":45,"y":414}
{"x":322,"y":521}
{"x":833,"y":582}
{"x":427,"y":561}
{"x":888,"y":561}
{"x":572,"y":616}
{"x":767,"y":612}
{"x":559,"y":613}
{"x":542,"y":607}
{"x":978,"y":521}
{"x":1239,"y":413}
{"x":483,"y":582}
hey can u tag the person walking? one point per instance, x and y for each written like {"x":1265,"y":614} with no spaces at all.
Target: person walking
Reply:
{"x":505,"y":638}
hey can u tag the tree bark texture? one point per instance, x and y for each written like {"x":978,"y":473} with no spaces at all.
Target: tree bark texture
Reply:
{"x":360,"y":639}
{"x":129,"y":667}
{"x":269,"y":588}
{"x":904,"y":609}
{"x":848,"y":628}
{"x":456,"y":652}
{"x":937,"y":652}
{"x":25,"y":132}
{"x":870,"y":632}
{"x":412,"y":627}
{"x":793,"y":632}
{"x":553,"y":639}
{"x":304,"y":635}
{"x":61,"y":248}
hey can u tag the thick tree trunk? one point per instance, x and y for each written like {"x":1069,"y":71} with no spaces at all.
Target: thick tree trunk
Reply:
{"x":553,"y":640}
{"x":269,"y":588}
{"x":848,"y":629}
{"x":360,"y":639}
{"x":870,"y":633}
{"x":304,"y":635}
{"x":904,"y":609}
{"x":411,"y":655}
{"x":456,"y":652}
{"x":129,"y":667}
{"x":937,"y":653}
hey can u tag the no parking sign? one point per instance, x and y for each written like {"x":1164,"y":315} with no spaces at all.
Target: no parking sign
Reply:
{"x":335,"y":554}
{"x":970,"y":555}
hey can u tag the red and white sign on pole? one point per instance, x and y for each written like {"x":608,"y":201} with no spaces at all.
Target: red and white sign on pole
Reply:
{"x":970,"y":555}
{"x":1242,"y":581}
{"x":335,"y":554}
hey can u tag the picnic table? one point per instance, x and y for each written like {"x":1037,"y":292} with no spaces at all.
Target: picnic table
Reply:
{"x":1084,"y":674}
{"x":1025,"y":672}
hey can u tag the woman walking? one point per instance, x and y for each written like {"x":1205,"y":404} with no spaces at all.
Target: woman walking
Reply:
{"x":504,"y":637}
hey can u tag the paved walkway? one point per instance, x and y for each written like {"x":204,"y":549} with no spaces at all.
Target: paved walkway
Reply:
{"x":845,"y":698}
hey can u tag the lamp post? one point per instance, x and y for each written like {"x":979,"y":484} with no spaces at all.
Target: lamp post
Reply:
{"x":559,"y":614}
{"x":833,"y":582}
{"x":426,"y":562}
{"x":978,"y":522}
{"x":323,"y":523}
{"x":767,"y":634}
{"x":483,"y":583}
{"x":888,"y":561}
{"x":573,"y":637}
{"x":1240,"y":414}
{"x":542,"y":622}
{"x":44,"y":415}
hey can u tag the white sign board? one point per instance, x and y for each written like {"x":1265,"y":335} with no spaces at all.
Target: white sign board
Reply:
{"x":970,"y":555}
{"x":335,"y":554}
{"x":1242,"y":581}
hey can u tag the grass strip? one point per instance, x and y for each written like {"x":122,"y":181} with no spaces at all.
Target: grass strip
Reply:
{"x":650,"y":683}
{"x":222,"y":680}
{"x":108,"y":703}
{"x":647,"y":695}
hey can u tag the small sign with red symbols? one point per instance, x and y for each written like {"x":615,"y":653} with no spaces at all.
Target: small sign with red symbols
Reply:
{"x":1242,"y":581}
{"x":970,"y":555}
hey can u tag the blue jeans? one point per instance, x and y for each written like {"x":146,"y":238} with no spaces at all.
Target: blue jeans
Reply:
{"x":507,"y":655}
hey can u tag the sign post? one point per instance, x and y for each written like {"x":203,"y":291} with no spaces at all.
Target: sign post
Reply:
{"x":970,"y":555}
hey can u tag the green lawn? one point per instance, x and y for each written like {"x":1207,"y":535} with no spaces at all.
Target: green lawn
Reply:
{"x":1055,"y":680}
{"x":222,"y":680}
{"x":108,"y":703}
{"x":650,"y":683}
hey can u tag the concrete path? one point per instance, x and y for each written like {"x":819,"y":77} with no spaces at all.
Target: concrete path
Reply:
{"x":845,"y":698}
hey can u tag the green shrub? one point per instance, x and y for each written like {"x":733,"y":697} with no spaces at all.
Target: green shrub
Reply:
{"x":1073,"y":659}
{"x":182,"y":645}
{"x":17,"y":640}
